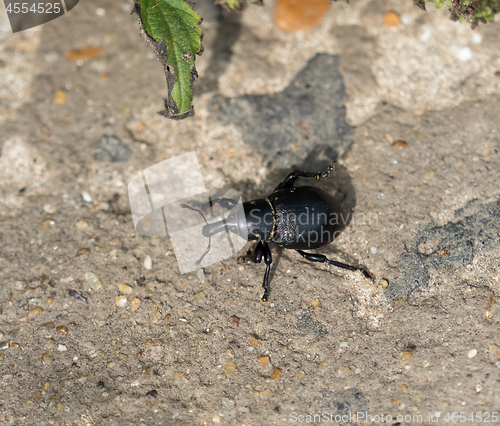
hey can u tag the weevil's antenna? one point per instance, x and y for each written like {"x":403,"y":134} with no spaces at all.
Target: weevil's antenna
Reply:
{"x":194,"y":209}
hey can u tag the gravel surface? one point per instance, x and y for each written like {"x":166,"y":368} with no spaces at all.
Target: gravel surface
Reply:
{"x":97,"y":325}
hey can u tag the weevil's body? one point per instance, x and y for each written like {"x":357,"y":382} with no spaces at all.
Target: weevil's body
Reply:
{"x":297,"y":218}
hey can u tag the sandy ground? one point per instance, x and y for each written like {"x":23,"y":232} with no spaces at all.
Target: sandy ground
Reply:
{"x":410,"y":112}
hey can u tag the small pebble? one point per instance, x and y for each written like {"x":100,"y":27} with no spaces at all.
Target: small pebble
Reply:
{"x":49,"y":344}
{"x":110,"y":364}
{"x":399,"y":144}
{"x":216,"y":419}
{"x":343,"y":344}
{"x":472,"y":353}
{"x":198,"y":298}
{"x":135,"y":303}
{"x":391,"y":19}
{"x":494,"y":350}
{"x":4,"y":345}
{"x":115,"y":241}
{"x":263,"y":361}
{"x":201,"y":275}
{"x":121,"y":301}
{"x":81,"y":225}
{"x":46,"y":326}
{"x":152,"y":393}
{"x":235,"y":321}
{"x":228,"y":367}
{"x":46,"y":385}
{"x":48,"y":223}
{"x":49,"y":208}
{"x":315,"y":304}
{"x":100,"y":11}
{"x":146,"y":371}
{"x":62,"y":329}
{"x":373,"y":250}
{"x":82,"y":252}
{"x":47,"y":359}
{"x":429,"y":175}
{"x":230,"y":353}
{"x":62,"y":348}
{"x":344,"y":371}
{"x":464,"y":54}
{"x":179,"y":378}
{"x":77,"y":296}
{"x":228,"y":403}
{"x":60,"y":406}
{"x":216,"y":331}
{"x":275,"y":373}
{"x":383,"y":284}
{"x":124,"y":288}
{"x":16,"y":347}
{"x":86,"y":197}
{"x":100,"y":385}
{"x":93,"y":281}
{"x":404,"y":389}
{"x":405,"y":356}
{"x":147,"y":262}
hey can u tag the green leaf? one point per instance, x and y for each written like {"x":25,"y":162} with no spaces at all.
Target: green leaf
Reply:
{"x":230,"y":4}
{"x":172,"y":29}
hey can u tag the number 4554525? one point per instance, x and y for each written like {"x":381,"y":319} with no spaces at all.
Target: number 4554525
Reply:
{"x":35,"y":8}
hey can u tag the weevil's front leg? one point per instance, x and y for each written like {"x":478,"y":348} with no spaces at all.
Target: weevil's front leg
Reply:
{"x":262,"y":250}
{"x":321,"y":258}
{"x":292,"y":177}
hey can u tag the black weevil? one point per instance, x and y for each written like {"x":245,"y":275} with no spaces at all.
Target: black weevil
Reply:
{"x":297,"y":218}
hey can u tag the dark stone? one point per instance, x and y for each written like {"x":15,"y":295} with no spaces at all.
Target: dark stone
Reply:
{"x":341,"y":403}
{"x":112,"y":149}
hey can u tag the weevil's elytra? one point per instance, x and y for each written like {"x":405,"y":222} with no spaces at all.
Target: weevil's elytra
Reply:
{"x":296,"y":218}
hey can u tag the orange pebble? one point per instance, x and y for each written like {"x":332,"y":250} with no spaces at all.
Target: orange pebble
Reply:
{"x":299,"y":15}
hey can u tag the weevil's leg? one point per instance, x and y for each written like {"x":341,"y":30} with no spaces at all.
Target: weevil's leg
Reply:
{"x":262,"y":250}
{"x":292,"y":177}
{"x":321,"y":258}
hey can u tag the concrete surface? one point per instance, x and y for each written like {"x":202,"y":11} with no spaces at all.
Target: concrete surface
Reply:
{"x":410,"y":112}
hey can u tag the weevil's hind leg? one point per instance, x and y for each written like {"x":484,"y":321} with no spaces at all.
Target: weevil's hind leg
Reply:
{"x":321,"y":258}
{"x":292,"y":177}
{"x":262,"y":250}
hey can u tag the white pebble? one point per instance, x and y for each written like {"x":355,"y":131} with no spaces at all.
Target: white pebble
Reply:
{"x":87,"y":197}
{"x":201,"y":275}
{"x":62,"y":348}
{"x":121,"y":301}
{"x":425,"y":34}
{"x":373,"y":250}
{"x":464,"y":54}
{"x":100,"y":11}
{"x":344,"y":344}
{"x":406,"y":19}
{"x":147,"y":262}
{"x":49,"y":208}
{"x":472,"y":353}
{"x":477,"y":38}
